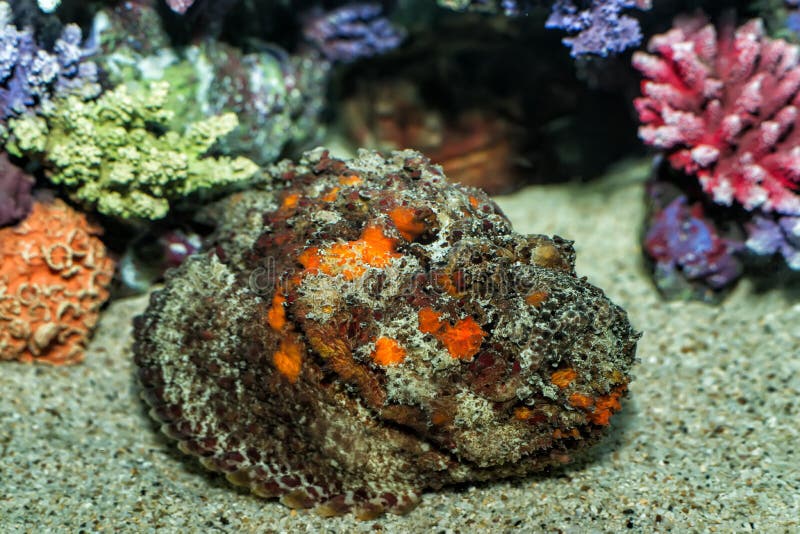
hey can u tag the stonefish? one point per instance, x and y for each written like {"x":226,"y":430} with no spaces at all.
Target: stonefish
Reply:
{"x":364,"y":330}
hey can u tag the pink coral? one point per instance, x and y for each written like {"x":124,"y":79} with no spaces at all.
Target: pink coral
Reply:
{"x":180,"y":6}
{"x":54,"y":277}
{"x":725,"y":108}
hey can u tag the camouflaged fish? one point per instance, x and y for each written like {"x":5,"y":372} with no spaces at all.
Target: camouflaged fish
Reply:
{"x":365,"y":331}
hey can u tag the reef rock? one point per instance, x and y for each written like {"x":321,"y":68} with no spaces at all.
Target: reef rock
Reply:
{"x":367,"y":330}
{"x":16,"y":198}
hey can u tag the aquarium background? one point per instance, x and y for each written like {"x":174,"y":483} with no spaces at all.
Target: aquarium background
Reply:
{"x":134,"y":117}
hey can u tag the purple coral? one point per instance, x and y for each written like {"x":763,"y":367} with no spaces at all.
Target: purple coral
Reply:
{"x":30,"y":75}
{"x":770,"y":235}
{"x":351,"y":32}
{"x":599,"y":26}
{"x":688,"y":250}
{"x":793,"y":17}
{"x":15,"y":192}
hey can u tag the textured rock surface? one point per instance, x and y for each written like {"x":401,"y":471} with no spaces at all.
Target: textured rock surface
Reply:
{"x":707,"y":439}
{"x":374,"y":332}
{"x":54,"y":277}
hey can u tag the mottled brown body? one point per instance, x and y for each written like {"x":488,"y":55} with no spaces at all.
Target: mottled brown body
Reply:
{"x":368,"y":331}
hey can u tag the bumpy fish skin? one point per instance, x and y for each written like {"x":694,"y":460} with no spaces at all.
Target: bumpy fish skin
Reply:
{"x":367,"y":330}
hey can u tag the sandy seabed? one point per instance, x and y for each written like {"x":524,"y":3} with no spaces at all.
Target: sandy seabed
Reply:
{"x":708,"y":441}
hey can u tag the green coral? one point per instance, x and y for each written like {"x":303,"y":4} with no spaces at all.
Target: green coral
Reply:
{"x":116,"y":153}
{"x":277,"y":97}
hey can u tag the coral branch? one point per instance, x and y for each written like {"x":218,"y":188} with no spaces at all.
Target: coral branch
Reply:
{"x":111,"y":154}
{"x":725,"y":108}
{"x":599,"y":28}
{"x":351,"y":32}
{"x":31,"y":76}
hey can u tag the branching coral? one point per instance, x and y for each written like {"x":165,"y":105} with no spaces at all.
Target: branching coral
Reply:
{"x":54,"y":277}
{"x":351,"y":32}
{"x":725,"y":108}
{"x":599,"y":26}
{"x":111,"y":155}
{"x":31,"y":76}
{"x":277,"y":97}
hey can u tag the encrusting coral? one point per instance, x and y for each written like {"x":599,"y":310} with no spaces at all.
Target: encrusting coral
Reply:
{"x":54,"y":277}
{"x":369,"y":330}
{"x":692,"y":258}
{"x":775,"y":235}
{"x":110,"y":155}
